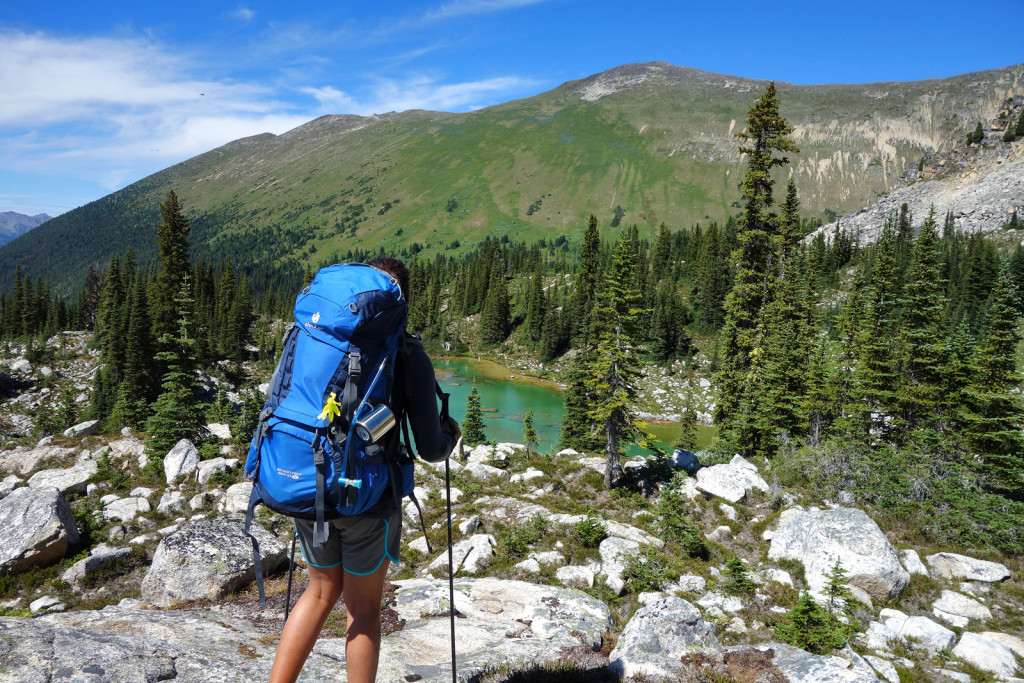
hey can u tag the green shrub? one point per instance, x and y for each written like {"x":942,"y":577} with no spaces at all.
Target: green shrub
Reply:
{"x":739,"y":582}
{"x":590,"y":532}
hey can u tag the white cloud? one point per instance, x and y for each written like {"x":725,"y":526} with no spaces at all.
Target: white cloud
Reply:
{"x":243,"y":14}
{"x":459,"y":8}
{"x":115,"y":108}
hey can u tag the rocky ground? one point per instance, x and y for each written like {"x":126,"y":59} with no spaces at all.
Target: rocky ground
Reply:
{"x":107,"y":575}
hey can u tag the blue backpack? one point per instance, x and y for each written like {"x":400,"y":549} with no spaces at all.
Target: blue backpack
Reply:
{"x":311,"y":455}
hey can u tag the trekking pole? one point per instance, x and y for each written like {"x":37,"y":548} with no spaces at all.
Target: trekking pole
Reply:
{"x":291,"y":570}
{"x":451,"y":572}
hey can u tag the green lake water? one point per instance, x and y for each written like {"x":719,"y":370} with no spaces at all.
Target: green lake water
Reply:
{"x":506,"y":398}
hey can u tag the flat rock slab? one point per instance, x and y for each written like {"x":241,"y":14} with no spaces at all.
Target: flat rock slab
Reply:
{"x":208,"y":559}
{"x":819,"y":538}
{"x":987,"y":653}
{"x":68,"y":480}
{"x":514,"y":511}
{"x":799,"y":666}
{"x":23,"y":461}
{"x":957,"y":608}
{"x":932,"y":636}
{"x":953,"y":566}
{"x":502,"y":621}
{"x":38,"y":528}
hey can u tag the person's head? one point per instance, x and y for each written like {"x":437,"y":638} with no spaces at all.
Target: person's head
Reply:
{"x":395,"y":269}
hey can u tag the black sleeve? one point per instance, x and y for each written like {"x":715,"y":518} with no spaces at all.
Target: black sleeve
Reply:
{"x":432,"y":444}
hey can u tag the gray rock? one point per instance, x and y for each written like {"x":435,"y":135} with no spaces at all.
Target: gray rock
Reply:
{"x":470,"y":525}
{"x":505,"y":622}
{"x":99,"y":557}
{"x":170,"y":502}
{"x":953,"y":566}
{"x":141,"y":492}
{"x":68,"y":480}
{"x":731,"y":482}
{"x":658,"y":635}
{"x":207,"y":559}
{"x":779,"y":576}
{"x":912,"y":562}
{"x":419,"y":544}
{"x":575,"y":576}
{"x":8,"y":484}
{"x":470,"y":555}
{"x":236,"y":498}
{"x":684,"y":460}
{"x":728,"y":510}
{"x":479,"y":470}
{"x":956,"y":675}
{"x":957,"y":608}
{"x":529,"y":566}
{"x":125,"y":509}
{"x":798,"y":666}
{"x":987,"y":654}
{"x":221,"y":431}
{"x":206,"y":500}
{"x":44,"y":603}
{"x":82,"y":429}
{"x":692,"y":583}
{"x":551,"y":558}
{"x":933,"y":637}
{"x":1015,"y":643}
{"x":21,"y":366}
{"x":884,"y":668}
{"x":181,"y":461}
{"x":24,"y":461}
{"x":529,"y":475}
{"x":614,"y":552}
{"x":207,"y":468}
{"x":726,"y":603}
{"x":38,"y":528}
{"x":819,"y":538}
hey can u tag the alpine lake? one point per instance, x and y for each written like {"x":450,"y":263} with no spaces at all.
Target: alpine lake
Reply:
{"x":505,"y":398}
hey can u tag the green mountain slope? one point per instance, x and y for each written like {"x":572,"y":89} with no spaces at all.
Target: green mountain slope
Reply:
{"x":655,"y":139}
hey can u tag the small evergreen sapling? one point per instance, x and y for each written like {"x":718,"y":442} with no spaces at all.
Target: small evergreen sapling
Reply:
{"x":473,"y":424}
{"x":739,"y":577}
{"x":529,"y":432}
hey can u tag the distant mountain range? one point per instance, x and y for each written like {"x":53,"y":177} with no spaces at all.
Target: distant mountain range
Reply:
{"x":653,"y":142}
{"x":14,"y":224}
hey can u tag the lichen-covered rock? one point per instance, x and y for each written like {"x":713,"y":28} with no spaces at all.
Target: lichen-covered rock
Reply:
{"x":956,"y":608}
{"x":912,"y":562}
{"x":614,"y":553}
{"x":181,"y":461}
{"x":658,"y":635}
{"x":236,"y":498}
{"x":171,"y":502}
{"x":933,"y":637}
{"x":483,"y":472}
{"x":818,"y":539}
{"x":953,"y":566}
{"x":207,"y":468}
{"x":38,"y":528}
{"x":99,"y":557}
{"x":470,"y":556}
{"x":82,"y":429}
{"x":8,"y":484}
{"x":207,"y":559}
{"x":126,"y":509}
{"x":68,"y":480}
{"x":24,"y":461}
{"x":987,"y":654}
{"x":799,"y":666}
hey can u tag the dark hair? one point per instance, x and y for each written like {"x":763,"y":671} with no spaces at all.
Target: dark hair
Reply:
{"x":395,"y":269}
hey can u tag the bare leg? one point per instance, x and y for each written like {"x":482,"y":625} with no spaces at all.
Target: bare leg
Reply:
{"x":362,"y":601}
{"x":305,"y":621}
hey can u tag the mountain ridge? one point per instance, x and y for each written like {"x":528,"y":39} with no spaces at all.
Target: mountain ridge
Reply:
{"x":14,"y":224}
{"x":655,"y":139}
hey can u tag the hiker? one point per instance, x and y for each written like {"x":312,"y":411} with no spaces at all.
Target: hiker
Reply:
{"x":353,"y":564}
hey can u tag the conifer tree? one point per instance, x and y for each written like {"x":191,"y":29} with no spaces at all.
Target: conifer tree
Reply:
{"x":578,"y":429}
{"x":172,"y":246}
{"x":687,"y":438}
{"x":767,"y":136}
{"x":178,"y":413}
{"x":585,"y":282}
{"x":137,"y":384}
{"x":995,"y":414}
{"x":536,"y":306}
{"x":529,"y":432}
{"x":712,"y":276}
{"x":921,"y":332}
{"x":496,"y":318}
{"x":473,"y":422}
{"x":614,"y":372}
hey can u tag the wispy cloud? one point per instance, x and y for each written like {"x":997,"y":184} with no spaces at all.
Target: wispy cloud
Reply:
{"x":460,"y":8}
{"x":124,"y":104}
{"x":420,"y":92}
{"x":243,"y":14}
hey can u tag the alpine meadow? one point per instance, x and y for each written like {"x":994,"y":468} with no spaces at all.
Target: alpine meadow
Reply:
{"x":818,"y":290}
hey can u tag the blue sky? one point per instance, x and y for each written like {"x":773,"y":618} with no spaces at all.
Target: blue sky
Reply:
{"x":97,"y":95}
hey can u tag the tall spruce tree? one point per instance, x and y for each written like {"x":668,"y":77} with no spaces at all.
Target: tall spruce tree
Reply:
{"x":173,"y":266}
{"x":473,"y":421}
{"x":756,"y":259}
{"x":614,"y":373}
{"x":496,"y":318}
{"x":995,"y":415}
{"x":922,"y":333}
{"x":585,"y":282}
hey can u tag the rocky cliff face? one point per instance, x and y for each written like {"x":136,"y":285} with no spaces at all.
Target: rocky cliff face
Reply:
{"x":981,"y":185}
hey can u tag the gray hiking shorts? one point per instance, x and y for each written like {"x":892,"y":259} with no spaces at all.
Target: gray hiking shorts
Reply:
{"x":358,"y":543}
